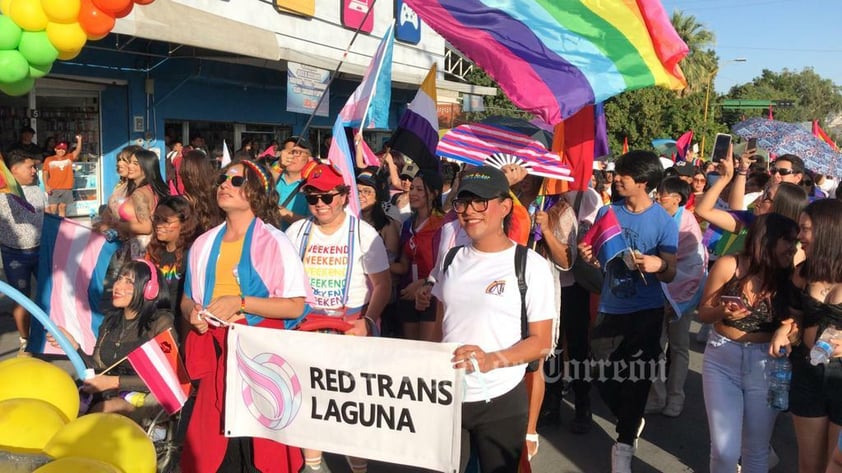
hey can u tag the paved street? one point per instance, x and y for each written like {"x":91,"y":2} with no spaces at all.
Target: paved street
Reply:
{"x":667,"y":444}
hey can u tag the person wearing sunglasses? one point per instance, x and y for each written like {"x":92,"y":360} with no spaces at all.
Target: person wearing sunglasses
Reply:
{"x":480,"y":307}
{"x":345,"y":261}
{"x":244,"y":271}
{"x":787,"y":168}
{"x":296,"y":152}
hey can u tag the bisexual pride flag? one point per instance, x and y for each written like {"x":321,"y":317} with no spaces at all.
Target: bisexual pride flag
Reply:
{"x":606,"y":238}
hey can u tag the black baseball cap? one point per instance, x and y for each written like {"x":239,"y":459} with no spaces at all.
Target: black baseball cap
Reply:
{"x":486,"y":182}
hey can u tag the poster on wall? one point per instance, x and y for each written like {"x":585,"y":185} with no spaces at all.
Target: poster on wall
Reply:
{"x":305,"y":85}
{"x":296,"y":7}
{"x":408,"y":29}
{"x":353,"y":13}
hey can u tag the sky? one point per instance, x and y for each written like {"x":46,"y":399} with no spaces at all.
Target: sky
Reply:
{"x":770,"y":34}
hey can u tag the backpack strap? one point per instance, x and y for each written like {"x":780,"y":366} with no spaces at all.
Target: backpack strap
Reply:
{"x":520,"y":272}
{"x":448,"y":258}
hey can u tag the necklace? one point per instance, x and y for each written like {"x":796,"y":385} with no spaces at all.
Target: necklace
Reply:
{"x":125,"y":325}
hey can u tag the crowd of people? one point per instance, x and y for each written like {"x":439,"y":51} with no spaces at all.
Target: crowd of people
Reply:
{"x":482,"y":257}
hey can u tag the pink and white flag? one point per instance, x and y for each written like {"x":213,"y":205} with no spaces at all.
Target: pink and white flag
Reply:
{"x":159,"y":366}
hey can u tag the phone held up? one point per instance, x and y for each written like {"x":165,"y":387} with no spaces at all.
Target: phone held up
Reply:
{"x":720,"y":147}
{"x":752,"y":145}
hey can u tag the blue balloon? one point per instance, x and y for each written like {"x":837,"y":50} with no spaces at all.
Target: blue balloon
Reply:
{"x":49,"y":325}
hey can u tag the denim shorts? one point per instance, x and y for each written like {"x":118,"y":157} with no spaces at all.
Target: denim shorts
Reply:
{"x":20,"y":266}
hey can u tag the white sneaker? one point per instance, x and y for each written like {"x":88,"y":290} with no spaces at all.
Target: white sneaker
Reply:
{"x":621,"y":458}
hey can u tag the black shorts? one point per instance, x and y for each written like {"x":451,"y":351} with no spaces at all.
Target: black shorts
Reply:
{"x":409,"y":314}
{"x":815,"y":390}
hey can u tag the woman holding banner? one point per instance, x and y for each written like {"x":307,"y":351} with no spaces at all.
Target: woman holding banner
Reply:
{"x":243,"y":271}
{"x":480,"y":307}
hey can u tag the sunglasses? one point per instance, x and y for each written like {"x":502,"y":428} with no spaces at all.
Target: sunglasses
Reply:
{"x":313,"y":199}
{"x":236,"y":181}
{"x":781,"y":171}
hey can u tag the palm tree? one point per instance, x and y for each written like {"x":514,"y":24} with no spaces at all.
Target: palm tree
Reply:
{"x":701,"y":61}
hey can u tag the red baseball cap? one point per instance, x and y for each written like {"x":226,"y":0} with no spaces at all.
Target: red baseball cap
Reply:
{"x":62,"y":145}
{"x":322,"y":177}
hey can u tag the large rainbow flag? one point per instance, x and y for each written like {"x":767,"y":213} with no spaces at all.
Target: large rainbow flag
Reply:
{"x":554,"y":57}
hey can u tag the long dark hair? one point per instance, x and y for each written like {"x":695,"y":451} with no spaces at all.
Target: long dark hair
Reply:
{"x":789,"y":200}
{"x":432,"y":187}
{"x":198,"y":175}
{"x":145,"y":309}
{"x":262,"y":200}
{"x":761,"y":241}
{"x":150,"y":165}
{"x":824,"y":263}
{"x":181,"y":208}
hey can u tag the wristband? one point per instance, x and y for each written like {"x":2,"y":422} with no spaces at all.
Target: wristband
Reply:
{"x":242,"y":304}
{"x":742,"y":173}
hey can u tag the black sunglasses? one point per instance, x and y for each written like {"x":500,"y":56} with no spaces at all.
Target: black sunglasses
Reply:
{"x":781,"y":171}
{"x":236,"y":181}
{"x":313,"y":199}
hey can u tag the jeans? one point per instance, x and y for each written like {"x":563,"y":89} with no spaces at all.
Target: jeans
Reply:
{"x":736,"y":389}
{"x":626,"y":348}
{"x":20,"y":267}
{"x":677,"y":332}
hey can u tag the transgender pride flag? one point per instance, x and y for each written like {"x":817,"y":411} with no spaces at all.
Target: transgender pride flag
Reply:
{"x":369,"y":106}
{"x":159,"y":366}
{"x":606,"y":237}
{"x":72,"y":265}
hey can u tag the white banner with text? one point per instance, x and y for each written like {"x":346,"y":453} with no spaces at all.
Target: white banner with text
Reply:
{"x":390,"y":400}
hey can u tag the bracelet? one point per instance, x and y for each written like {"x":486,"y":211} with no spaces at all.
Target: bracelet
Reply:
{"x":242,"y":304}
{"x":742,"y":173}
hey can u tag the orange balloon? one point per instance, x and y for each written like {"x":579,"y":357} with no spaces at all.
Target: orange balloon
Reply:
{"x":94,"y":21}
{"x":125,"y":11}
{"x":112,"y":6}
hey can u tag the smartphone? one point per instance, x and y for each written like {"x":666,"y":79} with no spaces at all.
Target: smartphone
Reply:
{"x":736,"y":300}
{"x":720,"y":147}
{"x":752,"y":144}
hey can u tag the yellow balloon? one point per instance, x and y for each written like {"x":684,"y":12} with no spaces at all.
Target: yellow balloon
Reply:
{"x":111,"y":438}
{"x":66,"y":37}
{"x":31,"y":378}
{"x":77,"y":465}
{"x":68,"y":55}
{"x":26,"y":425}
{"x":61,"y":11}
{"x":28,"y":14}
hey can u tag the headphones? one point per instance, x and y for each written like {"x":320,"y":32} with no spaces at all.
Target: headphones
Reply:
{"x":150,"y":289}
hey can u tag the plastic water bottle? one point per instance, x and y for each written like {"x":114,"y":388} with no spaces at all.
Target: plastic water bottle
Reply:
{"x":823,"y":349}
{"x":779,"y":373}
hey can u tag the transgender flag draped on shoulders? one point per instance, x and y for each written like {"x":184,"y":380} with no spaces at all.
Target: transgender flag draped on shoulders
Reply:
{"x":554,"y":57}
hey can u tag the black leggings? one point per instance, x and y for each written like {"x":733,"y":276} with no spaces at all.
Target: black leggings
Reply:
{"x":496,"y":430}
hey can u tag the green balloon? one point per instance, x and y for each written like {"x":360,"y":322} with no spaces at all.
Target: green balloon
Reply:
{"x":18,"y":88}
{"x":9,"y":33}
{"x":37,"y":70}
{"x":37,"y":48}
{"x":13,"y":67}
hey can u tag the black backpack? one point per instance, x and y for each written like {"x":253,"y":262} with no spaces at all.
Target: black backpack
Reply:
{"x":520,"y":271}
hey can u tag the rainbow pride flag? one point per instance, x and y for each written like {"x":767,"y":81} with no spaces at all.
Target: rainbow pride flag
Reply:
{"x":552,"y":58}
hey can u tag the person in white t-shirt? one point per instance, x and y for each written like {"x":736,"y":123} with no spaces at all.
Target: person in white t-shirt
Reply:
{"x":480,"y":308}
{"x":346,"y":263}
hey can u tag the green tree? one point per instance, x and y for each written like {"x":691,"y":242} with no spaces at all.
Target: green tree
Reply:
{"x":814,"y":97}
{"x":701,"y":61}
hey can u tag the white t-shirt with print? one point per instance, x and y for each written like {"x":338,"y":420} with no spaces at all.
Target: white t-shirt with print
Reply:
{"x":326,"y":259}
{"x":482,"y":307}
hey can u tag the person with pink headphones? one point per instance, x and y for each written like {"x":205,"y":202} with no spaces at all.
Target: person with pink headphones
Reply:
{"x":141,"y":310}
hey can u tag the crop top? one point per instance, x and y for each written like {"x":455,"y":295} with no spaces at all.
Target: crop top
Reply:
{"x":761,"y":318}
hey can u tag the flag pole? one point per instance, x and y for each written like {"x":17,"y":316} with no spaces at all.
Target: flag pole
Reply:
{"x":114,"y":365}
{"x":335,"y":72}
